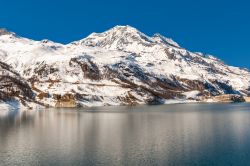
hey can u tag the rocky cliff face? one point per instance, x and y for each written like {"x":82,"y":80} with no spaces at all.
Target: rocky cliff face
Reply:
{"x":13,"y":86}
{"x":121,"y":66}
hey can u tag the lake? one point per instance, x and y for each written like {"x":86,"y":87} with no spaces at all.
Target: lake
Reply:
{"x":178,"y":134}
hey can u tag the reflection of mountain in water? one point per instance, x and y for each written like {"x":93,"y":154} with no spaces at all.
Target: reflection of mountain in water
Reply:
{"x":145,"y":135}
{"x":11,"y":120}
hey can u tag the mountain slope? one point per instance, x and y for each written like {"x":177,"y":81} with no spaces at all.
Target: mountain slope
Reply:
{"x":119,"y":66}
{"x":13,"y":87}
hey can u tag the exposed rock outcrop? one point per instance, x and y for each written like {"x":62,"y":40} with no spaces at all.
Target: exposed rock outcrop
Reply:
{"x":13,"y":86}
{"x":229,"y":98}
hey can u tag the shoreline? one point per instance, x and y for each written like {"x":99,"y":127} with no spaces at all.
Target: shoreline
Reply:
{"x":5,"y":106}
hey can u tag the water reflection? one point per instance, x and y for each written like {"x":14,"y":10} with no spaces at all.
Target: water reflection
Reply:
{"x":210,"y":134}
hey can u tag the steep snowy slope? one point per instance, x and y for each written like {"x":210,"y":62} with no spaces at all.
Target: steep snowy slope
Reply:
{"x":119,"y":66}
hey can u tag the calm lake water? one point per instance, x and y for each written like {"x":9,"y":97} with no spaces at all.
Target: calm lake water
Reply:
{"x":182,"y":134}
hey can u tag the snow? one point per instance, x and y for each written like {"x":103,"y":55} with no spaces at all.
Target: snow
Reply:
{"x":192,"y":94}
{"x":12,"y":105}
{"x":179,"y":101}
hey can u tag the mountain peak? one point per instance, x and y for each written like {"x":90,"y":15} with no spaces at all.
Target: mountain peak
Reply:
{"x":121,"y":30}
{"x":118,"y":38}
{"x":127,"y":28}
{"x":125,"y":38}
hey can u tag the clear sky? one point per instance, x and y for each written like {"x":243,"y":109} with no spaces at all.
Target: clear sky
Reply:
{"x":218,"y":27}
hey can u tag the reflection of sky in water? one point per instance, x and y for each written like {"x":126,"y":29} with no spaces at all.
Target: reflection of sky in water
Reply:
{"x":145,"y":135}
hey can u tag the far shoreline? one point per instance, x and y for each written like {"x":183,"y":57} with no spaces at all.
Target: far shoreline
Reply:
{"x":7,"y":106}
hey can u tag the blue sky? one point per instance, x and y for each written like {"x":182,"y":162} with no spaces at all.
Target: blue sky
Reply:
{"x":218,"y":27}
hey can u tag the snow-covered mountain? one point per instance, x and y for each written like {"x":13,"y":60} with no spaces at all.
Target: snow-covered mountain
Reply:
{"x":121,"y":66}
